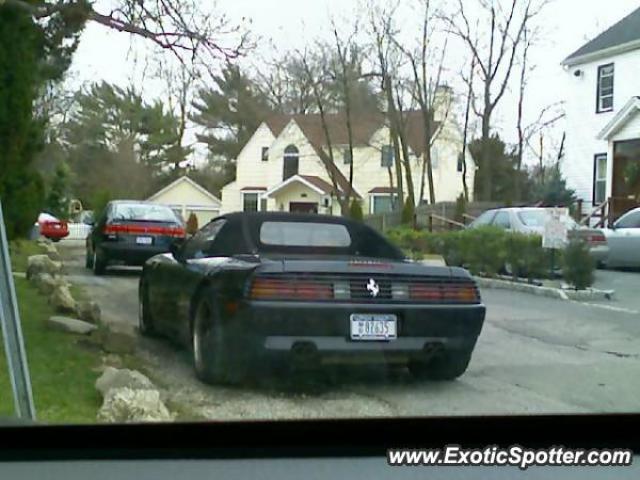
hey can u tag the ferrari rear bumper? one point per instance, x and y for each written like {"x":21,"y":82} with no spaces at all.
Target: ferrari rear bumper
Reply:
{"x":301,"y":329}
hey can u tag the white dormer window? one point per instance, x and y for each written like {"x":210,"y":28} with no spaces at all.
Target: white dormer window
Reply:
{"x":605,"y":88}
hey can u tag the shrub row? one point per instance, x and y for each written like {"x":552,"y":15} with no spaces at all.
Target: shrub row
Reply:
{"x":488,"y":251}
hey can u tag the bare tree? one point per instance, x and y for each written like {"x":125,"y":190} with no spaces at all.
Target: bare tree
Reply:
{"x":465,"y":132}
{"x":383,"y":32}
{"x":342,"y":72}
{"x":493,"y":43}
{"x":178,"y":26}
{"x":427,"y":81}
{"x":286,"y":85}
{"x":317,"y":77}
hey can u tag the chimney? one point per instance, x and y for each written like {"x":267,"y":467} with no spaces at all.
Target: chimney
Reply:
{"x":443,"y":101}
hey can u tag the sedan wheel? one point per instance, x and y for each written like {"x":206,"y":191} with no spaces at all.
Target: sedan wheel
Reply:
{"x":88,"y":260}
{"x":99,"y":263}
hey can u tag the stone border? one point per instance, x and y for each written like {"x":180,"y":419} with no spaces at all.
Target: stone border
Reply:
{"x":551,"y":292}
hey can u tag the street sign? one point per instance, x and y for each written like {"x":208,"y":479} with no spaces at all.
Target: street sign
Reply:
{"x":555,"y":229}
{"x":12,"y":334}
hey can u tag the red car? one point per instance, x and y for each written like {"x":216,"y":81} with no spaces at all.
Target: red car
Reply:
{"x":52,"y":228}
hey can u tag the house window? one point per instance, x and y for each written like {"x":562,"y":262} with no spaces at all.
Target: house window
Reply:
{"x":387,"y":156}
{"x":263,"y":204}
{"x":291,"y":162}
{"x":346,"y":156}
{"x":460,"y":166}
{"x":381,"y":203}
{"x":600,"y":179}
{"x":605,"y":88}
{"x":265,"y":154}
{"x":250,"y":201}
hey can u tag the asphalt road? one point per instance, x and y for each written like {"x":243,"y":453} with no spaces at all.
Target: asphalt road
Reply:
{"x":535,"y":355}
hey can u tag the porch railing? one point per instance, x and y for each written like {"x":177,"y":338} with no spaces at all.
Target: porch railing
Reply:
{"x":446,"y":221}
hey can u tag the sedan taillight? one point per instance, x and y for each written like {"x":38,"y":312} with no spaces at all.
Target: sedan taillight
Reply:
{"x":596,"y":238}
{"x":271,"y":289}
{"x":176,"y":232}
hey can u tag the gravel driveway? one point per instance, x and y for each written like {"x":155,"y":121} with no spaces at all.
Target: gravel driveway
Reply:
{"x":535,"y":355}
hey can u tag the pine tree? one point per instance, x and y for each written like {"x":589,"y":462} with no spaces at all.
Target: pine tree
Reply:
{"x":57,"y":200}
{"x":355,"y":211}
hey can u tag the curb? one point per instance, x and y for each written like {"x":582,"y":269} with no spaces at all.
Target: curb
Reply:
{"x":578,"y":295}
{"x":521,"y":287}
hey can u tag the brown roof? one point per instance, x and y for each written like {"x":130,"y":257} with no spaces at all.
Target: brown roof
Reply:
{"x":323,"y":185}
{"x":326,"y":187}
{"x":383,"y":190}
{"x":363,"y":126}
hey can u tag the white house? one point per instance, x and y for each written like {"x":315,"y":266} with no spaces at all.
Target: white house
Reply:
{"x":603,"y":116}
{"x":281,"y":169}
{"x":186,"y":196}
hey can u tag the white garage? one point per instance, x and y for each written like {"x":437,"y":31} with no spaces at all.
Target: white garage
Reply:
{"x":185,"y":196}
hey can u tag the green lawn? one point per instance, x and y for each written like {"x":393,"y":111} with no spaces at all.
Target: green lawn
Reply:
{"x":19,"y":250}
{"x":61,"y":370}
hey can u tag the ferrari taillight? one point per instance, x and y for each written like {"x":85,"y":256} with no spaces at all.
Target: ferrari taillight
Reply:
{"x":272,"y":289}
{"x":461,"y":293}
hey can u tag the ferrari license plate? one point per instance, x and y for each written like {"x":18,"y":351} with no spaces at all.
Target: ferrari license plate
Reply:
{"x":366,"y":326}
{"x":144,"y":240}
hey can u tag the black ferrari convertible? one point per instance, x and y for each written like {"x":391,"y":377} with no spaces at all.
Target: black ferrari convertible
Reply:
{"x":250,"y":288}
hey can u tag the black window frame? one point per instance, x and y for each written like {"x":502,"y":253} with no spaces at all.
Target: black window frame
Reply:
{"x":346,"y":157}
{"x":598,"y":93}
{"x":264,"y":154}
{"x":244,"y":196}
{"x":595,"y":178}
{"x":290,"y":159}
{"x":388,"y":148}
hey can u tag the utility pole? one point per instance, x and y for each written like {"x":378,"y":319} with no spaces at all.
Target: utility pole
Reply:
{"x":12,"y":333}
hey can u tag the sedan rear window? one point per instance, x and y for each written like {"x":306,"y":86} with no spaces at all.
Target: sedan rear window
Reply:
{"x":143,"y":213}
{"x":538,"y":218}
{"x":305,"y":234}
{"x":533,"y":218}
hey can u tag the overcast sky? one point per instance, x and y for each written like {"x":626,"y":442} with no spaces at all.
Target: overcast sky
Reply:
{"x":289,"y":24}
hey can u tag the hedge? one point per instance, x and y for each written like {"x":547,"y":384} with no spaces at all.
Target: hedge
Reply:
{"x":486,"y":250}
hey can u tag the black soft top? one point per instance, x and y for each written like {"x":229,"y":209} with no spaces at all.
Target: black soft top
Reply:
{"x":365,"y":241}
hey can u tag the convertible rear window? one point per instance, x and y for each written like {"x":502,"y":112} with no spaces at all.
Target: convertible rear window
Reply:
{"x":305,"y":234}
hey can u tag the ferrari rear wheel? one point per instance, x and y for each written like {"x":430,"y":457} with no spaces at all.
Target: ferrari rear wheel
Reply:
{"x":447,"y":366}
{"x":209,"y":357}
{"x":145,"y":320}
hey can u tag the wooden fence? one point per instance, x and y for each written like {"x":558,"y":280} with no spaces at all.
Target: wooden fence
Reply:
{"x":439,"y":216}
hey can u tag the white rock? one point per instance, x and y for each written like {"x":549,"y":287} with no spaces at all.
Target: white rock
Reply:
{"x":42,"y":264}
{"x":62,"y":300}
{"x":114,"y":378}
{"x":129,"y":405}
{"x":89,"y":311}
{"x":44,"y":282}
{"x":71,"y":325}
